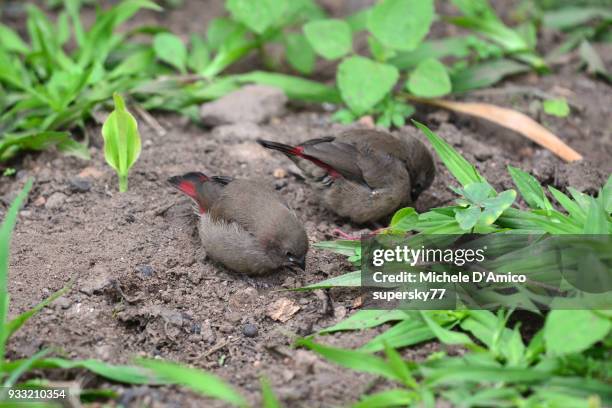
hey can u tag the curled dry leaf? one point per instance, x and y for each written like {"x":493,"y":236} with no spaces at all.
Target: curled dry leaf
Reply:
{"x":510,"y":119}
{"x":282,"y":310}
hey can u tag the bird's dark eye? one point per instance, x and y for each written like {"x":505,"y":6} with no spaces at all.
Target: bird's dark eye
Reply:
{"x":288,"y":254}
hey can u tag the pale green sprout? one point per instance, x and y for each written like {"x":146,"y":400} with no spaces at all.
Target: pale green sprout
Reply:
{"x":121,"y":141}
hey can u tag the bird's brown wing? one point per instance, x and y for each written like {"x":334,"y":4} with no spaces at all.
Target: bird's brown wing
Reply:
{"x":339,"y":156}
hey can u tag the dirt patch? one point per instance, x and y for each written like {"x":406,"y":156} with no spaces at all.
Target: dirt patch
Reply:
{"x":144,"y":287}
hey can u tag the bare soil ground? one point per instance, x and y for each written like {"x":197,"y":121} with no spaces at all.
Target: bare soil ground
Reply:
{"x":144,"y":287}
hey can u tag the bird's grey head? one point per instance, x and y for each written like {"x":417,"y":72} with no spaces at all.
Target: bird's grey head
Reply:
{"x":422,"y":169}
{"x":289,"y":246}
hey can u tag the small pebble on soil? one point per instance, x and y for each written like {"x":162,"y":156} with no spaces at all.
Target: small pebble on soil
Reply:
{"x":249,"y":330}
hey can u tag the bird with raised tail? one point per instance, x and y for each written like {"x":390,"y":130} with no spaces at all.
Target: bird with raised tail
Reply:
{"x":243,"y":224}
{"x":363,"y":174}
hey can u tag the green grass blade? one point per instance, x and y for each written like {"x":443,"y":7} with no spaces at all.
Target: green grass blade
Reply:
{"x":468,"y":373}
{"x":342,"y":247}
{"x":365,"y":319}
{"x":294,"y":87}
{"x":405,"y":333}
{"x":199,"y":381}
{"x":390,"y":398}
{"x":569,"y":205}
{"x":355,"y":360}
{"x":269,"y":400}
{"x":399,"y":366}
{"x":14,"y":325}
{"x":597,"y":221}
{"x":460,"y":168}
{"x":6,"y":231}
{"x":24,"y":366}
{"x":530,"y":189}
{"x":120,"y":373}
{"x":351,"y":279}
{"x":444,"y":335}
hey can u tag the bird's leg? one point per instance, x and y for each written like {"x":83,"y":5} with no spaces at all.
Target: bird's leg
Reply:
{"x":344,"y":235}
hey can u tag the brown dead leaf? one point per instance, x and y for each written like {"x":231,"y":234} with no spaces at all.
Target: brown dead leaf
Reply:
{"x":40,"y":201}
{"x":282,"y":310}
{"x":90,"y":172}
{"x":510,"y":119}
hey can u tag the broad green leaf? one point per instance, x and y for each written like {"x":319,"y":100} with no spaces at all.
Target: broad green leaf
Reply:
{"x":468,"y":217}
{"x":556,"y":107}
{"x":121,"y":141}
{"x":295,"y":87}
{"x":170,"y":49}
{"x":10,"y":41}
{"x":404,"y":219}
{"x":429,"y":79}
{"x":197,"y":380}
{"x":299,"y":53}
{"x":363,"y":82}
{"x":460,"y":168}
{"x":379,"y":51}
{"x":258,"y":15}
{"x":219,"y":31}
{"x":401,"y":24}
{"x":530,"y":189}
{"x":6,"y":231}
{"x":199,"y":57}
{"x":355,"y":360}
{"x":330,"y":38}
{"x":358,"y":21}
{"x":495,"y":206}
{"x":573,"y":331}
{"x":351,"y":279}
{"x":365,"y":319}
{"x":344,"y":116}
{"x":444,"y":335}
{"x":476,"y":193}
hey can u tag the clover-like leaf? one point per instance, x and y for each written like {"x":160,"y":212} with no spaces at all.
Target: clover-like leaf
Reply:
{"x":330,"y":38}
{"x":401,"y":24}
{"x":258,"y":15}
{"x":363,"y":82}
{"x":429,"y":79}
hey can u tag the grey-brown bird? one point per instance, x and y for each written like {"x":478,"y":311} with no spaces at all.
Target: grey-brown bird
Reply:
{"x":363,"y":174}
{"x":243,"y":223}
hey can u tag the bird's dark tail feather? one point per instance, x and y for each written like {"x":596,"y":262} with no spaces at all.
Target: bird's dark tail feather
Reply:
{"x":288,"y":150}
